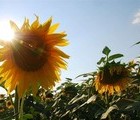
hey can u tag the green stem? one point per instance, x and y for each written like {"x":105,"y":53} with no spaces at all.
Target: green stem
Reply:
{"x":107,"y":104}
{"x":106,"y":99}
{"x":21,"y":108}
{"x":16,"y":104}
{"x":10,"y":97}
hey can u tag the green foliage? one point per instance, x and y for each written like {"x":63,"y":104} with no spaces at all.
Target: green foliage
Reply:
{"x":6,"y":111}
{"x":106,"y":51}
{"x":108,"y":58}
{"x":137,"y":43}
{"x":115,"y":56}
{"x":80,"y":101}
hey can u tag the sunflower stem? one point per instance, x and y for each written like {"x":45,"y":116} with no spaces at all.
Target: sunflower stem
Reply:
{"x":16,"y":105}
{"x":107,"y":104}
{"x":21,"y":108}
{"x":106,"y":99}
{"x":10,"y":97}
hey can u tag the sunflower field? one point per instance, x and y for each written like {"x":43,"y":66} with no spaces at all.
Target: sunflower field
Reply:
{"x":109,"y":93}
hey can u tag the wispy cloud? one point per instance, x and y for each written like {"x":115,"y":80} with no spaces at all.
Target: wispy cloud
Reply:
{"x":136,"y":19}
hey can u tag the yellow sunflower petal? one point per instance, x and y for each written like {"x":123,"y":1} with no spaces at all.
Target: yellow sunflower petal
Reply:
{"x":25,"y":25}
{"x":13,"y":83}
{"x":45,"y":84}
{"x":14,"y":26}
{"x":55,"y":37}
{"x":35,"y":24}
{"x":5,"y":67}
{"x":62,"y":42}
{"x":60,"y":62}
{"x":53,"y":28}
{"x":60,"y":53}
{"x":45,"y":27}
{"x":1,"y":57}
{"x":35,"y":87}
{"x":22,"y":85}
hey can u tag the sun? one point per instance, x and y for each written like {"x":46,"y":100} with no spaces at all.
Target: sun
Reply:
{"x":6,"y":32}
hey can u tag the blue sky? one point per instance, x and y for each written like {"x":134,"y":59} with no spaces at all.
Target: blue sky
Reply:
{"x":90,"y":24}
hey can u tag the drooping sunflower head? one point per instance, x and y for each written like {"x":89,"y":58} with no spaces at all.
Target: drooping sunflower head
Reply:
{"x":112,"y":78}
{"x":33,"y":58}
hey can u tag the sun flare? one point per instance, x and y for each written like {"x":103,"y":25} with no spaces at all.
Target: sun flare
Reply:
{"x":6,"y":33}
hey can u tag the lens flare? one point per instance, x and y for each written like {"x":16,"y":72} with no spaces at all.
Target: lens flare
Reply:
{"x":6,"y":33}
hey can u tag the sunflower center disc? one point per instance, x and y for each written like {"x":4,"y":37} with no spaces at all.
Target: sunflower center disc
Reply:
{"x":111,"y":79}
{"x":29,"y":52}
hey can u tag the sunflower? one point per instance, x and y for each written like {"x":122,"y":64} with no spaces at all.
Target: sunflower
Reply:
{"x":9,"y":105}
{"x":112,"y":79}
{"x":33,"y":58}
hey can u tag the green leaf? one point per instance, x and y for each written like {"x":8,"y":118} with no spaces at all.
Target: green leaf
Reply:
{"x":111,"y":108}
{"x":101,"y":60}
{"x":115,"y":56}
{"x":137,"y":43}
{"x":86,"y":74}
{"x":91,"y":99}
{"x":106,"y":51}
{"x":77,"y":98}
{"x":123,"y":103}
{"x":28,"y":116}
